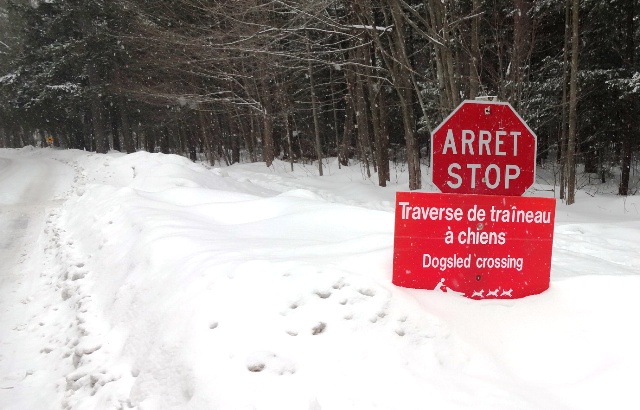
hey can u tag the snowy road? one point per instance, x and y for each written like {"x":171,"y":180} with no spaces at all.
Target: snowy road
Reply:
{"x":29,"y":188}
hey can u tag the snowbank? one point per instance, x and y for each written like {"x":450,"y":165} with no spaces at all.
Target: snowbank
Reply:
{"x":170,"y":285}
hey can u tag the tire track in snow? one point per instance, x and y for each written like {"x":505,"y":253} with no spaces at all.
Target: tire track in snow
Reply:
{"x":28,"y":187}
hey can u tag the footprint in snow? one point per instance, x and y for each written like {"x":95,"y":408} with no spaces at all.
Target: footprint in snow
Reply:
{"x":263,"y":361}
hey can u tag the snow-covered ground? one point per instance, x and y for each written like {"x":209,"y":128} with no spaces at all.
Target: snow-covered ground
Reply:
{"x":148,"y":282}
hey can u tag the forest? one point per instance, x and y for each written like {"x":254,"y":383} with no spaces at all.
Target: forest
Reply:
{"x":364,"y":81}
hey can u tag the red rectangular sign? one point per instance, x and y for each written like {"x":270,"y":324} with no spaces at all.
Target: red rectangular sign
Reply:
{"x":480,"y":246}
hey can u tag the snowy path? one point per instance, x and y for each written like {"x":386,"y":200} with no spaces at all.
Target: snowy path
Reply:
{"x":51,"y":332}
{"x":30,"y":189}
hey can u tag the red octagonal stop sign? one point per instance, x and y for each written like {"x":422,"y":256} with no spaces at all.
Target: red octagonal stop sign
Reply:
{"x":483,"y":148}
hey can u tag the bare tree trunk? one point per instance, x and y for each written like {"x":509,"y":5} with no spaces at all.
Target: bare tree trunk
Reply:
{"x":474,"y":71}
{"x":218,"y":142}
{"x":251,"y":134}
{"x":268,"y":152}
{"x":399,"y":66}
{"x":206,"y":138}
{"x":248,"y":131}
{"x":564,"y":132}
{"x":234,"y":138}
{"x":287,"y":127}
{"x":446,"y":104}
{"x":380,"y":119}
{"x":383,"y":168}
{"x":362,"y":121}
{"x":125,"y":126}
{"x":97,"y":111}
{"x":522,"y":44}
{"x":630,"y":120}
{"x":573,"y":105}
{"x":345,"y":144}
{"x":401,"y":76}
{"x":450,"y":97}
{"x":334,"y":109}
{"x":164,"y":140}
{"x":358,"y":105}
{"x":286,"y":110}
{"x":375,"y":123}
{"x":362,"y":108}
{"x":191,"y":141}
{"x":253,"y":137}
{"x":314,"y":107}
